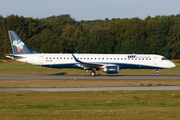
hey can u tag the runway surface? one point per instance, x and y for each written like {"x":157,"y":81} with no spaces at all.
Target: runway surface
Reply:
{"x":88,"y":77}
{"x":88,"y":89}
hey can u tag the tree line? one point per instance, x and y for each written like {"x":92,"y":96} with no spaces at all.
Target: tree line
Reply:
{"x":62,"y":34}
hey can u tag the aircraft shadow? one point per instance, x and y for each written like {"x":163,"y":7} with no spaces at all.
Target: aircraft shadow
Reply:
{"x":135,"y":75}
{"x":62,"y":73}
{"x":100,"y":75}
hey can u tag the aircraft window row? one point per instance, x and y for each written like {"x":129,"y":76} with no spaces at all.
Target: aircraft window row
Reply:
{"x":58,"y":58}
{"x":104,"y":58}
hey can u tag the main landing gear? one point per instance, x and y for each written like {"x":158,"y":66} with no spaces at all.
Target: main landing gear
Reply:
{"x":157,"y":72}
{"x":93,"y":73}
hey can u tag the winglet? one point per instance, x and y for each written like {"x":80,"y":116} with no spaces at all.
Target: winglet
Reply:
{"x":76,"y":58}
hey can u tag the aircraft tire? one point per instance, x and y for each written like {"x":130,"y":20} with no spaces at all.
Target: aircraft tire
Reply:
{"x":92,"y":73}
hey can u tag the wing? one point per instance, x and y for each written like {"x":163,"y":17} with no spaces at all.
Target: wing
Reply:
{"x":88,"y":64}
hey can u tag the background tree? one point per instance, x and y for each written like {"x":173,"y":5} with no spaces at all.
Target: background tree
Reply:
{"x":162,"y":29}
{"x":174,"y":41}
{"x":55,"y":34}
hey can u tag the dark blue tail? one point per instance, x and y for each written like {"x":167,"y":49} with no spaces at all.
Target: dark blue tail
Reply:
{"x":17,"y":44}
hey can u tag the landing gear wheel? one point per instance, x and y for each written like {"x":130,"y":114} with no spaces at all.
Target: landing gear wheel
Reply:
{"x":92,"y":73}
{"x":157,"y":72}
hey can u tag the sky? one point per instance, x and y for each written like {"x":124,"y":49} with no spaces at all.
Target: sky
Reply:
{"x":90,"y":9}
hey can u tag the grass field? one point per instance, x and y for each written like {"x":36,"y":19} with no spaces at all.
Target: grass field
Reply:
{"x":130,"y":105}
{"x":92,"y":105}
{"x":84,"y":83}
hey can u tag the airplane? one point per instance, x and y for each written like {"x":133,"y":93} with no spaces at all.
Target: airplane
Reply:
{"x":109,"y":63}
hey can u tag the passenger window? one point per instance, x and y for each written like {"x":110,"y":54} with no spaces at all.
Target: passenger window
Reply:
{"x":57,"y":58}
{"x":50,"y":58}
{"x":53,"y":57}
{"x":46,"y":57}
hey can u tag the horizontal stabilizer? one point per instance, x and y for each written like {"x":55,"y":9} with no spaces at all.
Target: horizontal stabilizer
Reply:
{"x":14,"y":56}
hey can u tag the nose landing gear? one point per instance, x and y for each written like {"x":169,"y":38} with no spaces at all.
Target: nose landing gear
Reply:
{"x":157,"y":72}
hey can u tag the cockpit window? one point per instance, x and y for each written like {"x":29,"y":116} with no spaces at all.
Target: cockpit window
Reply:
{"x":164,"y":58}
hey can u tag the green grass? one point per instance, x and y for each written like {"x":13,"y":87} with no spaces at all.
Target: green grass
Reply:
{"x":84,"y":83}
{"x":87,"y":105}
{"x":21,"y":68}
{"x":90,"y":105}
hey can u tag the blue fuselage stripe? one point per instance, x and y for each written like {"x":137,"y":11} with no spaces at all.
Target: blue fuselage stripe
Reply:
{"x":121,"y":66}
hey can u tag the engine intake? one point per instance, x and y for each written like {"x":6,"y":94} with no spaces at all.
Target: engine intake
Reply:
{"x":111,"y":69}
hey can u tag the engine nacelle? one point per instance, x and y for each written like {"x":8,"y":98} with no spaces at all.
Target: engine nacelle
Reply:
{"x":111,"y":69}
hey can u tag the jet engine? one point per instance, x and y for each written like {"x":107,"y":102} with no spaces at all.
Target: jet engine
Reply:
{"x":111,"y":69}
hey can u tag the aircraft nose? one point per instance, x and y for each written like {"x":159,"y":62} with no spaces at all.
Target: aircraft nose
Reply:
{"x":172,"y":64}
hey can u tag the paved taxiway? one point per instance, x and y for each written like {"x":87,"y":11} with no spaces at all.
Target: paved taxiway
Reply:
{"x":88,"y":89}
{"x":88,"y":77}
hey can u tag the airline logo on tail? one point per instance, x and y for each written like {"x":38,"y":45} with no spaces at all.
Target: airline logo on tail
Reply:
{"x":19,"y":45}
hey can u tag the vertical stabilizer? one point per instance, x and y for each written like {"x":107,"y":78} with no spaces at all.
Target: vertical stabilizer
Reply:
{"x":17,"y":44}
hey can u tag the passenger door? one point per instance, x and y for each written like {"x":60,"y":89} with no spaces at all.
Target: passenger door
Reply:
{"x":155,"y":60}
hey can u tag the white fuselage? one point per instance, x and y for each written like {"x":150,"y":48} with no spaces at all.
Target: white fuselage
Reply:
{"x":124,"y":61}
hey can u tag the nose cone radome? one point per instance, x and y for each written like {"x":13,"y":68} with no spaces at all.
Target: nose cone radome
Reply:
{"x":172,"y":65}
